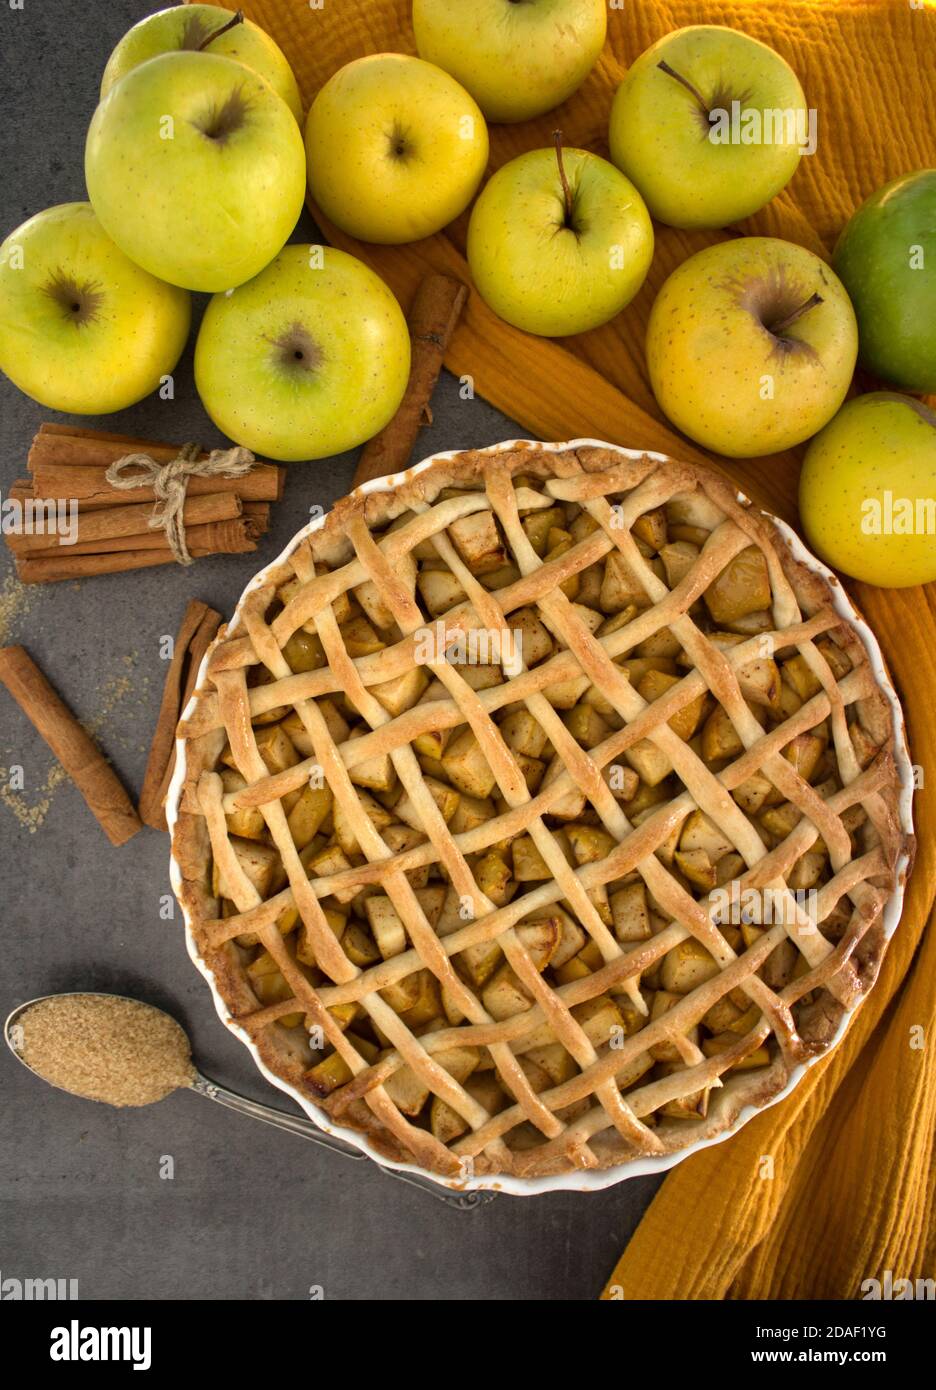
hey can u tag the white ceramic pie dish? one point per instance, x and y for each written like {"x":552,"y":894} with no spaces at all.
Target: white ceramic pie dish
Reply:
{"x":641,"y":1167}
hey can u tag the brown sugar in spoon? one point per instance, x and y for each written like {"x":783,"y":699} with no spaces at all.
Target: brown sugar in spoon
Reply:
{"x":122,"y":1052}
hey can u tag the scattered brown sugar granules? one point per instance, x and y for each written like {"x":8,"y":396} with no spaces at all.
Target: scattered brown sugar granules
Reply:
{"x":105,"y":1048}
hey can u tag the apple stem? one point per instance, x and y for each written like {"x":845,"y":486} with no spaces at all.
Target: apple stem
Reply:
{"x":781,"y":327}
{"x":216,"y":34}
{"x":671,"y":72}
{"x":567,"y":191}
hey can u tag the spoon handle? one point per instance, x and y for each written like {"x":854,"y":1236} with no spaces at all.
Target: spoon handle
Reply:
{"x":297,"y":1124}
{"x":294,"y":1124}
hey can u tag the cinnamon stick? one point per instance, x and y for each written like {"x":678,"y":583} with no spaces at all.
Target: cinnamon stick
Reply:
{"x":128,"y":524}
{"x":61,"y":453}
{"x":72,"y":745}
{"x":432,"y":319}
{"x":87,"y":432}
{"x":230,"y":537}
{"x":237,"y":537}
{"x":199,"y":627}
{"x":87,"y":484}
{"x":210,"y":538}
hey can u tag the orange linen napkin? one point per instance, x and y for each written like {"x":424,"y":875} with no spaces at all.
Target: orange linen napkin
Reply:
{"x":852,"y":1189}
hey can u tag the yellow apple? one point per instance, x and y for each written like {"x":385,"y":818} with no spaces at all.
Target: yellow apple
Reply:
{"x":709,"y":124}
{"x":191,"y":28}
{"x":867,"y":493}
{"x":559,"y":241}
{"x":83,"y":329}
{"x":516,"y":60}
{"x":751,"y":346}
{"x":396,"y":148}
{"x":196,"y":168}
{"x":308,"y":359}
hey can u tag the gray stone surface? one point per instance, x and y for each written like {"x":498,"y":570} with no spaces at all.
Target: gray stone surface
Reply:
{"x":250,"y":1212}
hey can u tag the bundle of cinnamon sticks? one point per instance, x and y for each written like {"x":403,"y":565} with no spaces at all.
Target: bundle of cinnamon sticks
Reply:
{"x":67,"y":467}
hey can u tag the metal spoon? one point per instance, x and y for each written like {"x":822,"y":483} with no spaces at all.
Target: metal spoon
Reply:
{"x":281,"y":1119}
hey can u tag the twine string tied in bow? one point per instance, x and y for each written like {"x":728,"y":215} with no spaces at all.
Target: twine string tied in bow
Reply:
{"x":169,"y":482}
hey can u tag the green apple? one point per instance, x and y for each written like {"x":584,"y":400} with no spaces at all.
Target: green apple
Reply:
{"x":82,"y":329}
{"x":698,"y":160}
{"x":396,"y":148}
{"x":751,"y":346}
{"x":886,"y":258}
{"x":191,"y":28}
{"x":559,"y":241}
{"x":516,"y":59}
{"x":196,"y":168}
{"x":308,"y":359}
{"x":867,"y":493}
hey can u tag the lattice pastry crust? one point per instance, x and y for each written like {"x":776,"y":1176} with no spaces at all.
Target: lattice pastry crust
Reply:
{"x":567,"y":918}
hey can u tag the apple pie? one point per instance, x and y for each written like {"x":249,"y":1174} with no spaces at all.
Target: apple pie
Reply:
{"x":539,"y":813}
